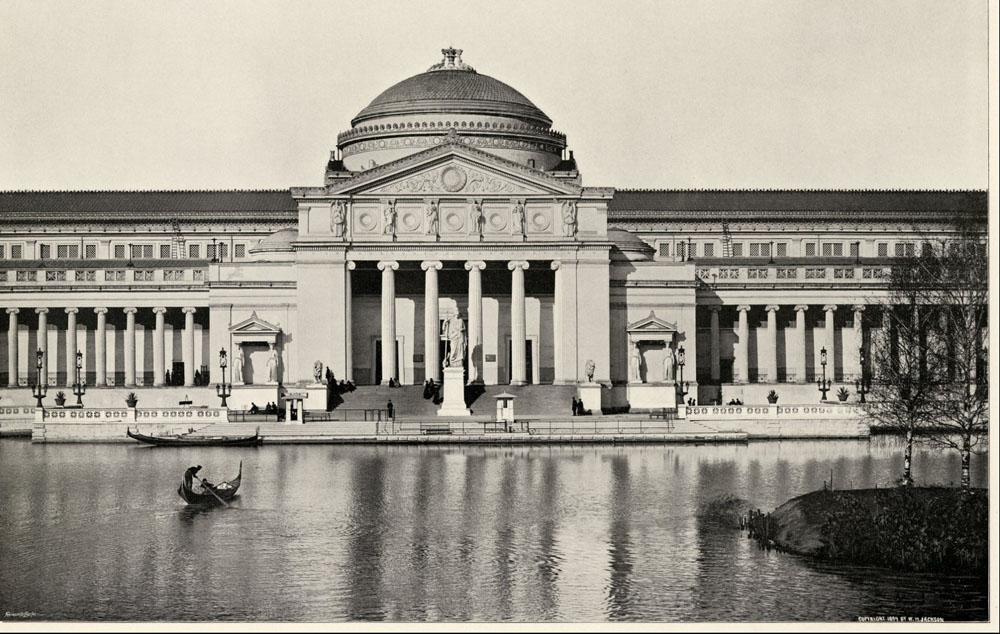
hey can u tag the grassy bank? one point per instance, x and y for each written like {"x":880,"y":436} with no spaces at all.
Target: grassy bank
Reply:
{"x":918,"y":529}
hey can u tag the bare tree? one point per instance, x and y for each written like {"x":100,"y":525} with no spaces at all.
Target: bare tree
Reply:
{"x":929,"y":355}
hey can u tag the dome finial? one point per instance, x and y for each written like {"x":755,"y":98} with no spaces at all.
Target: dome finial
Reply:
{"x":452,"y":61}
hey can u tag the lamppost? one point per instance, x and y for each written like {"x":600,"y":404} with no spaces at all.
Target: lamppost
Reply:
{"x":861,"y":384}
{"x":824,"y":383}
{"x":224,"y":390}
{"x":78,"y":388}
{"x":770,"y":253}
{"x":682,"y":387}
{"x":38,"y":390}
{"x":215,"y":253}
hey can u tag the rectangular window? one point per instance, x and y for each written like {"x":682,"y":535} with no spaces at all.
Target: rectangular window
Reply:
{"x":729,"y":274}
{"x":64,"y":251}
{"x":194,"y":251}
{"x":44,"y":251}
{"x":86,"y":276}
{"x":760,"y":249}
{"x":737,"y":249}
{"x":173,"y":275}
{"x":114,"y":276}
{"x":855,"y":249}
{"x":210,"y":251}
{"x":164,"y":251}
{"x":904,"y":249}
{"x":681,"y":250}
{"x":810,"y":249}
{"x":120,"y":251}
{"x":815,"y":274}
{"x":883,"y":249}
{"x":27,"y":276}
{"x":223,"y":250}
{"x":143,"y":276}
{"x":3,"y":251}
{"x":873,"y":274}
{"x":833,"y":249}
{"x":843,"y":274}
{"x":90,"y":251}
{"x":240,"y":250}
{"x":16,"y":251}
{"x":3,"y":276}
{"x":199,"y":275}
{"x":926,"y":249}
{"x":781,"y":249}
{"x":756,"y":274}
{"x":787,"y":274}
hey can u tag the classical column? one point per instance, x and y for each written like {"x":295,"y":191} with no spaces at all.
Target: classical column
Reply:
{"x":741,"y":367}
{"x":348,"y":341}
{"x":801,"y":369}
{"x":475,"y":328}
{"x":158,"y":353}
{"x":12,"y":347}
{"x":558,"y":297}
{"x":831,"y":357}
{"x":859,"y":339}
{"x":71,"y":345}
{"x":432,"y":321}
{"x":714,"y":349}
{"x":130,"y":346}
{"x":772,"y":343}
{"x":188,"y":345}
{"x":388,"y":269}
{"x":43,"y":342}
{"x":517,"y":326}
{"x":100,"y":348}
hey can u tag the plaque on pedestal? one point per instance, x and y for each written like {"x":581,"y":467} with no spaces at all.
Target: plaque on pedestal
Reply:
{"x":453,"y":393}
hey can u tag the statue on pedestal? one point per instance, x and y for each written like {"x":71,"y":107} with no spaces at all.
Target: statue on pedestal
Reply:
{"x":591,"y":367}
{"x":457,"y":341}
{"x":318,"y":372}
{"x":432,"y":218}
{"x":338,"y":218}
{"x":272,"y":365}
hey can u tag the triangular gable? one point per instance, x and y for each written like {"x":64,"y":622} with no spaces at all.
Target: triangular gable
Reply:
{"x":652,"y":323}
{"x":255,"y":325}
{"x":454,"y":169}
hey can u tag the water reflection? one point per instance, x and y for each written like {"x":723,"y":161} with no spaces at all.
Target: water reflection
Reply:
{"x":327,"y":533}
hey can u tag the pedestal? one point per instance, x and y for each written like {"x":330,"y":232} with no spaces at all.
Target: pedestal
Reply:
{"x":590,"y":394}
{"x":651,"y":396}
{"x":453,"y":393}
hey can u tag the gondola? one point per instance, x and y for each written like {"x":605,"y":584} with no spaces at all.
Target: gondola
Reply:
{"x":224,"y":491}
{"x":198,"y":441}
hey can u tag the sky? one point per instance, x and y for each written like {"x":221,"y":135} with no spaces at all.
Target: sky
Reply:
{"x":824,"y":94}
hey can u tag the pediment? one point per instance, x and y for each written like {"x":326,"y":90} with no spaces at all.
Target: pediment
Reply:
{"x":254,"y":326}
{"x":651,"y":324}
{"x":454,"y":170}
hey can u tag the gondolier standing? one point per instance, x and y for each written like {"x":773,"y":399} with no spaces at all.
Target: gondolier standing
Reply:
{"x":190,"y":475}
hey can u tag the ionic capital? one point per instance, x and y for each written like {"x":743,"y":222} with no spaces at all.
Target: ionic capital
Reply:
{"x":71,"y":310}
{"x":555,"y":265}
{"x":131,"y":310}
{"x":801,"y":307}
{"x":518,"y":264}
{"x":715,"y":309}
{"x":42,"y":311}
{"x":13,"y":311}
{"x":159,"y":309}
{"x":475,"y":264}
{"x":189,"y":309}
{"x":351,"y":265}
{"x":388,"y":265}
{"x":772,"y":308}
{"x":743,"y":308}
{"x":427,"y":265}
{"x":830,"y":308}
{"x":101,"y":310}
{"x":858,"y":308}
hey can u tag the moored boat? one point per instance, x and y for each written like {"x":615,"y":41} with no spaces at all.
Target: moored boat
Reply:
{"x":209,"y":493}
{"x":198,"y":441}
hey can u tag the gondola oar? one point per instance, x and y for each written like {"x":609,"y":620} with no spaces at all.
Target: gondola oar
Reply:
{"x":205,"y":486}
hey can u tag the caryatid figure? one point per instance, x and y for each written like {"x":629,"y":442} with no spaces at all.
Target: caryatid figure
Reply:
{"x":432,"y":218}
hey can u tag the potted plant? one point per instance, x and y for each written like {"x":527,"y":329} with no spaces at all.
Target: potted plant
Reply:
{"x":131,"y":399}
{"x":60,"y":398}
{"x":842,"y":394}
{"x":772,"y":397}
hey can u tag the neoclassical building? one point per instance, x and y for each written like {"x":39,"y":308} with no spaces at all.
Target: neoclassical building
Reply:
{"x":451,"y":194}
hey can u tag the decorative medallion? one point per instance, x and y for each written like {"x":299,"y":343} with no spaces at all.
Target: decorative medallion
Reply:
{"x":367,"y":220}
{"x":410,"y":220}
{"x":453,"y":178}
{"x":497,"y":221}
{"x":454,"y":220}
{"x":540,"y":221}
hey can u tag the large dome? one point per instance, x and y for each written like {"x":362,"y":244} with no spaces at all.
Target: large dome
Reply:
{"x":418,"y":112}
{"x":453,"y":90}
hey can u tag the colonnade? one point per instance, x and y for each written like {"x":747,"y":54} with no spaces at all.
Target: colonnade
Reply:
{"x":474,"y":319}
{"x":100,"y":344}
{"x":795,"y":349}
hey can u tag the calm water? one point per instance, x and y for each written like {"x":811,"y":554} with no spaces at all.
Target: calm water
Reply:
{"x":327,"y":533}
